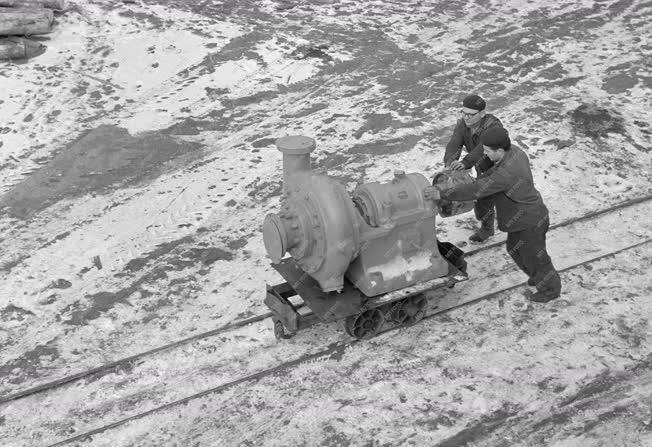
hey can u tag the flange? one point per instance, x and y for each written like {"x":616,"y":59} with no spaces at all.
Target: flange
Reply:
{"x":274,"y":237}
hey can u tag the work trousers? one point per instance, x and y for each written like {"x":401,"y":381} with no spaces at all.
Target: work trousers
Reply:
{"x":484,"y":209}
{"x":528,"y":249}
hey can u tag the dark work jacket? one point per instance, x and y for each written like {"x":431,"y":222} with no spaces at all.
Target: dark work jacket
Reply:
{"x":463,"y":136}
{"x":519,"y":205}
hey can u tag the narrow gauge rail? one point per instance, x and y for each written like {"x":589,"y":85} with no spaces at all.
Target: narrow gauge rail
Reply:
{"x":124,"y":362}
{"x":330,"y":350}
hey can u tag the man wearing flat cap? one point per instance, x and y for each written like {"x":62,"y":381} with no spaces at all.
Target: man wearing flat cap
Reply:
{"x":473,"y":122}
{"x":519,"y":208}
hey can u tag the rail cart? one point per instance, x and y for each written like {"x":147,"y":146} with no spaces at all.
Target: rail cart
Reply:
{"x":363,"y":316}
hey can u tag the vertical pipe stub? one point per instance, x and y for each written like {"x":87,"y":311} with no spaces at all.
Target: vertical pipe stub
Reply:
{"x":296,"y":151}
{"x":295,"y":145}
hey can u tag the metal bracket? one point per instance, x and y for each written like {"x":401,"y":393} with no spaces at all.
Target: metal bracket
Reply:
{"x":282,"y":309}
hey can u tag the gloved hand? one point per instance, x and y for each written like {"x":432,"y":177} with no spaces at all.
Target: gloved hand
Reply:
{"x":431,"y":193}
{"x":457,"y":166}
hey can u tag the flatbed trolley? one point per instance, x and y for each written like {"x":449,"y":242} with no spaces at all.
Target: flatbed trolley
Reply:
{"x":363,"y":316}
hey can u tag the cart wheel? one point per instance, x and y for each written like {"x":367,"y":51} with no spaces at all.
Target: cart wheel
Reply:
{"x":364,"y":325}
{"x":410,"y":310}
{"x":279,"y":330}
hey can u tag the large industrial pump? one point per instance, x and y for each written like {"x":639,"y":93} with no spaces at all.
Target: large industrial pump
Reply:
{"x":377,"y":242}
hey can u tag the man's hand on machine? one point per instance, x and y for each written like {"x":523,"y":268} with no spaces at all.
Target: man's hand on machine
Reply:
{"x":431,"y":193}
{"x":457,"y":166}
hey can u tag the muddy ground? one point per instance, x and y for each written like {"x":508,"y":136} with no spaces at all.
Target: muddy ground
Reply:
{"x":137,"y":162}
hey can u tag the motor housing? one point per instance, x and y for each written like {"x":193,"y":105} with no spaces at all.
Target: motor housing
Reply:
{"x":381,"y":239}
{"x":399,"y":247}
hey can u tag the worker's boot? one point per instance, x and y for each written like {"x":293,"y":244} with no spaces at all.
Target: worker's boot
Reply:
{"x":484,"y":233}
{"x":543,"y":296}
{"x":548,"y":289}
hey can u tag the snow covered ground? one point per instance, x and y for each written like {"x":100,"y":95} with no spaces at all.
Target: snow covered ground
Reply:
{"x":137,"y":163}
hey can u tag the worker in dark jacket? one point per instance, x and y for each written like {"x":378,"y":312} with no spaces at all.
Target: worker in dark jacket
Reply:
{"x":468,"y":130}
{"x":520,"y":209}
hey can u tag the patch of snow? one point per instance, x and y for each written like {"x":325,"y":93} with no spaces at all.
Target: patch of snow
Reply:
{"x":400,"y":266}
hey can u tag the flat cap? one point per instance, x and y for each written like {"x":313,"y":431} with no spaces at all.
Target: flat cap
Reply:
{"x":496,"y":137}
{"x":474,"y":102}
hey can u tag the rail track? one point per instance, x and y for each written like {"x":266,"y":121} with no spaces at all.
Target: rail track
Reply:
{"x":329,"y":351}
{"x":150,"y":384}
{"x":126,"y":361}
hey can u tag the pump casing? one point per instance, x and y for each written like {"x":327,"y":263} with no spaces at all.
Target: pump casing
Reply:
{"x":381,"y":239}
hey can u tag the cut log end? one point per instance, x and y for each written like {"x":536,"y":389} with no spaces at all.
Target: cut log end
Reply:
{"x":25,"y":22}
{"x":56,"y":5}
{"x":19,"y":48}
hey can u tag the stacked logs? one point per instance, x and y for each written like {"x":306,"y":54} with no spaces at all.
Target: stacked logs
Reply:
{"x":20,"y":19}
